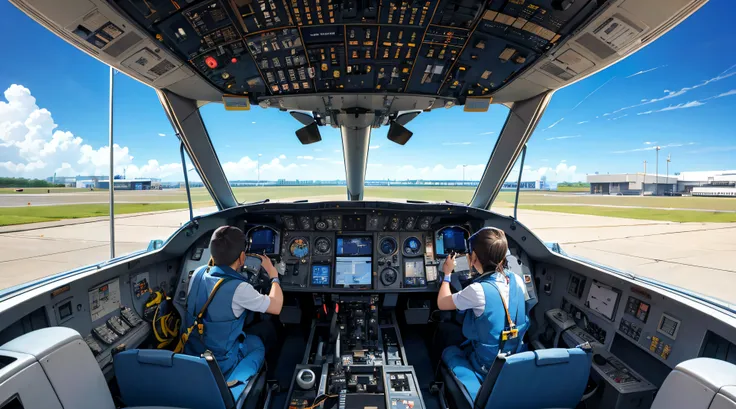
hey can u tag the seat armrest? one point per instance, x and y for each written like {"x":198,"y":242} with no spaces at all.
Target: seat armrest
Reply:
{"x":227,"y":397}
{"x":489,"y":382}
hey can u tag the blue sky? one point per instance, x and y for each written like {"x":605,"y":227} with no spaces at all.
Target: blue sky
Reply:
{"x":674,"y":93}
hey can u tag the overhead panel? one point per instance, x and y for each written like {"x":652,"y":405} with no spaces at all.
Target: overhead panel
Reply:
{"x":448,"y":48}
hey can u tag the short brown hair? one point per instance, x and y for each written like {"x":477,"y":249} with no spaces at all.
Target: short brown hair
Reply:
{"x":226,"y":244}
{"x":490,"y":246}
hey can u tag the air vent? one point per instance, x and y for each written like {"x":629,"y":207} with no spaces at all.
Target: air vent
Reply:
{"x":558,"y":72}
{"x":162,"y":68}
{"x":123,"y":44}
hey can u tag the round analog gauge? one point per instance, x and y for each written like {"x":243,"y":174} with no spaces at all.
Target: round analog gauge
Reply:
{"x":388,"y":276}
{"x":299,"y":247}
{"x":412,"y":246}
{"x":387,"y":246}
{"x":425,"y":223}
{"x":409,"y":222}
{"x":322,"y":245}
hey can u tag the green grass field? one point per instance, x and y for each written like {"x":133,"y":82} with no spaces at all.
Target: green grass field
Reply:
{"x":573,"y":189}
{"x":674,"y":208}
{"x":23,"y":215}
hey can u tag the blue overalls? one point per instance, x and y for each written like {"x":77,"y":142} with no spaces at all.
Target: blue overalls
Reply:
{"x":223,"y":331}
{"x":471,"y":361}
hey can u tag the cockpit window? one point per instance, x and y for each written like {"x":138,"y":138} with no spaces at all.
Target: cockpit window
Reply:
{"x":263,"y":158}
{"x":632,"y":167}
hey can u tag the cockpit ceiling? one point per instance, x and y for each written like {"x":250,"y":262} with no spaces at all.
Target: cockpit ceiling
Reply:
{"x":452,"y":49}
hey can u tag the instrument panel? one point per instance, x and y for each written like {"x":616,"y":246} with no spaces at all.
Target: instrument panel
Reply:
{"x":348,"y":251}
{"x":451,"y":48}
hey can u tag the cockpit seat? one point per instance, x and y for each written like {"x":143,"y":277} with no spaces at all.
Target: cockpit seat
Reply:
{"x":547,"y":378}
{"x":700,"y":383}
{"x":148,"y":377}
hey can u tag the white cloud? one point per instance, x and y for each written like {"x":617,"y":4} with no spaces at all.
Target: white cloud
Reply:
{"x":645,"y":71}
{"x":282,"y":156}
{"x":305,"y":157}
{"x":436,"y":172}
{"x":649,"y":143}
{"x":591,"y":94}
{"x":254,"y":122}
{"x":619,"y":117}
{"x":161,"y":134}
{"x":560,"y":173}
{"x":651,"y":148}
{"x":318,"y":150}
{"x":691,"y":104}
{"x":672,"y":94}
{"x":563,"y":137}
{"x":487,"y":133}
{"x":32,"y":145}
{"x":374,"y":147}
{"x":456,"y":143}
{"x":247,"y":169}
{"x":553,"y":124}
{"x":337,"y":151}
{"x":723,"y":94}
{"x":582,"y":122}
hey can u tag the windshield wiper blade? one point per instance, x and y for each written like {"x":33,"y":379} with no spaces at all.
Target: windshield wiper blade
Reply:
{"x":301,"y":201}
{"x":416,"y":201}
{"x":262,"y":201}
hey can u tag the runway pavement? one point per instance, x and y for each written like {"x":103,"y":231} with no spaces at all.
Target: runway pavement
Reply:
{"x":698,"y":256}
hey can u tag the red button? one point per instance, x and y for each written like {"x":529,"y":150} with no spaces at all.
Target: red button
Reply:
{"x":211,"y":62}
{"x":234,"y":60}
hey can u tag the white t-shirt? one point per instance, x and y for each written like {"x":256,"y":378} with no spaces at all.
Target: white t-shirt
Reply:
{"x":473,"y":296}
{"x":245,"y":298}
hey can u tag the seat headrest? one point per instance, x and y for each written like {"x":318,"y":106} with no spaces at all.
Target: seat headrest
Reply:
{"x":155,"y":357}
{"x":551,"y":356}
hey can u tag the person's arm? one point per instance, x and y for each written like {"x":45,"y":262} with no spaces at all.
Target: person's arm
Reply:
{"x":444,"y":296}
{"x":275,"y":296}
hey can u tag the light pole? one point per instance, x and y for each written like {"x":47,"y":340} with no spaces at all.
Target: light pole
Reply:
{"x":258,"y":166}
{"x":644,"y":181}
{"x":669,"y":159}
{"x":464,"y":174}
{"x":656,"y":179}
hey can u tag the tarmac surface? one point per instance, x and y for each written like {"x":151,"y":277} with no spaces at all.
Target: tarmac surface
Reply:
{"x":697,"y":256}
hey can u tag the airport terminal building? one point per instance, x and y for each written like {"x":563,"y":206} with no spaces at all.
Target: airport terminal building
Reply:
{"x":707,"y":183}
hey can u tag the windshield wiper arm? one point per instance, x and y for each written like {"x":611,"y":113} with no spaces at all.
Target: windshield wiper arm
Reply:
{"x":416,"y":201}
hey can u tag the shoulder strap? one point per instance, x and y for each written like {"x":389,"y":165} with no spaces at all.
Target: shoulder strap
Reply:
{"x":198,"y":321}
{"x":512,"y":332}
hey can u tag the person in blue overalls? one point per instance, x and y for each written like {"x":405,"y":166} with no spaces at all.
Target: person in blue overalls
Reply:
{"x":498,"y":318}
{"x":232,"y":301}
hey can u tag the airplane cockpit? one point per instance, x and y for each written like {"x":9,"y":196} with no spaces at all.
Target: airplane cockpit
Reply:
{"x":360,"y":325}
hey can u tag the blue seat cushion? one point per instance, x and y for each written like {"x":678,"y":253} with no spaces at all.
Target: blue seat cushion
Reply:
{"x":162,"y":378}
{"x":557,"y":378}
{"x":255,"y":354}
{"x":457,"y":361}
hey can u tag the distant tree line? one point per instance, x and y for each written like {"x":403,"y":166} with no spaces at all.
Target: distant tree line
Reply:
{"x":573,"y":184}
{"x":23,"y":182}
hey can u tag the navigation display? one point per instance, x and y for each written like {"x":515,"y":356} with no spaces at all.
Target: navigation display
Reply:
{"x":353,"y":271}
{"x":262,"y":241}
{"x":602,"y":299}
{"x":414,"y":269}
{"x":320,"y":275}
{"x":354,"y":246}
{"x":451,"y":239}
